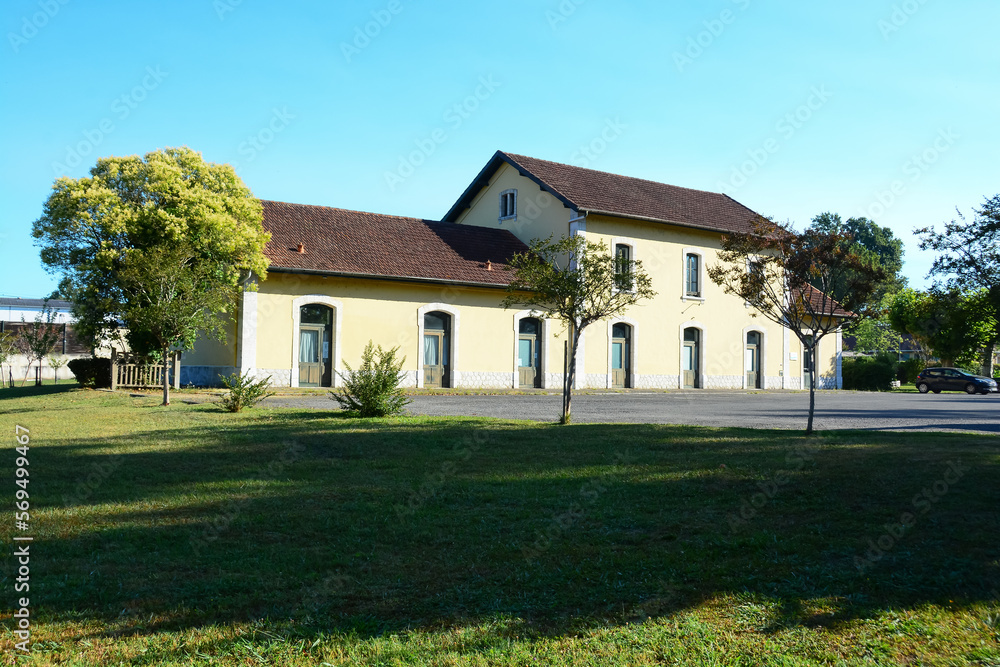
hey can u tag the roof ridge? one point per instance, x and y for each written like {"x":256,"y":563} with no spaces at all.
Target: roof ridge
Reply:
{"x":515,"y":156}
{"x":347,"y":210}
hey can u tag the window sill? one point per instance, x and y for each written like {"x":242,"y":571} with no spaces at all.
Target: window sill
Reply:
{"x":509,"y":218}
{"x":688,"y":297}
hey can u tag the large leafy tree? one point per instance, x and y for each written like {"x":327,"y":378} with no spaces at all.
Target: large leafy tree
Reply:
{"x":137,"y":224}
{"x":949,"y":324}
{"x":578,"y":282}
{"x":866,"y":239}
{"x":969,"y":259}
{"x":808,"y":282}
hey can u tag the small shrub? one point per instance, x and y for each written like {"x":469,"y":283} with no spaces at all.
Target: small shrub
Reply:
{"x":870,"y":373}
{"x":909,"y":369}
{"x":373,"y":390}
{"x":91,"y":372}
{"x":244,"y":392}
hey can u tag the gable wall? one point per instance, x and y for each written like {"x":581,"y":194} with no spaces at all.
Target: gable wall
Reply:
{"x":539,"y":214}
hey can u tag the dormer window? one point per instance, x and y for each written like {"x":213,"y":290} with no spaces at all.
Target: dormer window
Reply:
{"x":508,"y":205}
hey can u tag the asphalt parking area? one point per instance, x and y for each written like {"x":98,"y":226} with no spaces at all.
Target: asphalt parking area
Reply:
{"x":783,"y":410}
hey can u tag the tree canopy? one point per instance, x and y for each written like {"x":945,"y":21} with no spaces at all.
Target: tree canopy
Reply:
{"x":578,"y":282}
{"x":867,"y":240}
{"x":808,"y":282}
{"x":948,"y":323}
{"x":158,"y":245}
{"x":969,"y":259}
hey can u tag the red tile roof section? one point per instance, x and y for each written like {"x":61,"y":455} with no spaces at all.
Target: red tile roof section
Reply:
{"x":598,"y":191}
{"x":815,"y":296}
{"x":370,"y":244}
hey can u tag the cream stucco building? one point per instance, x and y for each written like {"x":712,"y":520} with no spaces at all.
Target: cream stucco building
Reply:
{"x":341,"y":278}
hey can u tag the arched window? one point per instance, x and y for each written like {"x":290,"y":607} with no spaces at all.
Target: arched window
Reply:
{"x":752,"y":360}
{"x":315,"y":345}
{"x":691,"y":359}
{"x":437,"y":349}
{"x":621,"y":356}
{"x":529,"y":353}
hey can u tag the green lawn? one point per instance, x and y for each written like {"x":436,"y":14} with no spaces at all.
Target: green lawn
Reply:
{"x":186,"y":535}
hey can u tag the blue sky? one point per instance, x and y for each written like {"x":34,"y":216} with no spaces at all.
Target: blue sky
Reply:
{"x":880,"y":108}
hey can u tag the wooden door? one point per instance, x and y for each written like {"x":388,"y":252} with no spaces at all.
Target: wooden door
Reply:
{"x":690,"y":359}
{"x":311,"y":367}
{"x":528,"y":362}
{"x":752,"y":360}
{"x":435,"y":366}
{"x":529,"y":353}
{"x":690,"y":365}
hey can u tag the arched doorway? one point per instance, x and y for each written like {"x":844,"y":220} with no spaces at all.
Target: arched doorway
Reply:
{"x":752,"y":360}
{"x":690,"y":359}
{"x":621,"y":356}
{"x":437,"y":349}
{"x":315,"y":345}
{"x":529,"y":353}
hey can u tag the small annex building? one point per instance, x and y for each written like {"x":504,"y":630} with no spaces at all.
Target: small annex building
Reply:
{"x":340,"y":278}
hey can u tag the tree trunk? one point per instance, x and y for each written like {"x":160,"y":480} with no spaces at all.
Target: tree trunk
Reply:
{"x":570,"y":377}
{"x":27,"y":370}
{"x":812,"y":389}
{"x":166,"y":381}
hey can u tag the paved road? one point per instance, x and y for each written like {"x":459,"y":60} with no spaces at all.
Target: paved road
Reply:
{"x":834,"y":410}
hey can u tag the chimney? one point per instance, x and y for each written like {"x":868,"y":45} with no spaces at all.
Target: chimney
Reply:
{"x":489,"y":265}
{"x":302,"y":249}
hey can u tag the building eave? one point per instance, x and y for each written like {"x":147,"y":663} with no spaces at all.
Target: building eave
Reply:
{"x":371,"y":276}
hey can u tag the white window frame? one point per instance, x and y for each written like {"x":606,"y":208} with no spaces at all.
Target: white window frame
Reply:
{"x":543,"y":339}
{"x":338,"y":317}
{"x":512,"y":214}
{"x":633,"y":355}
{"x":762,"y":352}
{"x":700,"y":254}
{"x":702,"y":353}
{"x":757,"y":259}
{"x":454,"y":376}
{"x":630,"y":244}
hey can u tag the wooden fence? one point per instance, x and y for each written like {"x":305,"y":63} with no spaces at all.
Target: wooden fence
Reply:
{"x":127,"y":375}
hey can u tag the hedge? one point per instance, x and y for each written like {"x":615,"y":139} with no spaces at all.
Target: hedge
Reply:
{"x":92,"y":372}
{"x":870,"y":373}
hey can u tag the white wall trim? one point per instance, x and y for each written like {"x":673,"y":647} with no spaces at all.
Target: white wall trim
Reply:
{"x":763,"y":355}
{"x":701,"y":274}
{"x":840,"y":359}
{"x":702,"y":353}
{"x":247,"y":361}
{"x":786,"y":352}
{"x":543,"y":338}
{"x":633,"y":353}
{"x":454,"y":375}
{"x":338,"y":318}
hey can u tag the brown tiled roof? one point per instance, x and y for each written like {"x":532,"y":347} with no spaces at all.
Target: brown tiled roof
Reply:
{"x":592,"y":191}
{"x":815,"y":297}
{"x":338,"y":241}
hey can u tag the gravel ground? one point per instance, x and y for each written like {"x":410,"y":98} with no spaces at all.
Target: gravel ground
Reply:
{"x":787,"y":410}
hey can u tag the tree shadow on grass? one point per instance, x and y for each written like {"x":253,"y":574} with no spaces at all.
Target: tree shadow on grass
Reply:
{"x":323,"y":524}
